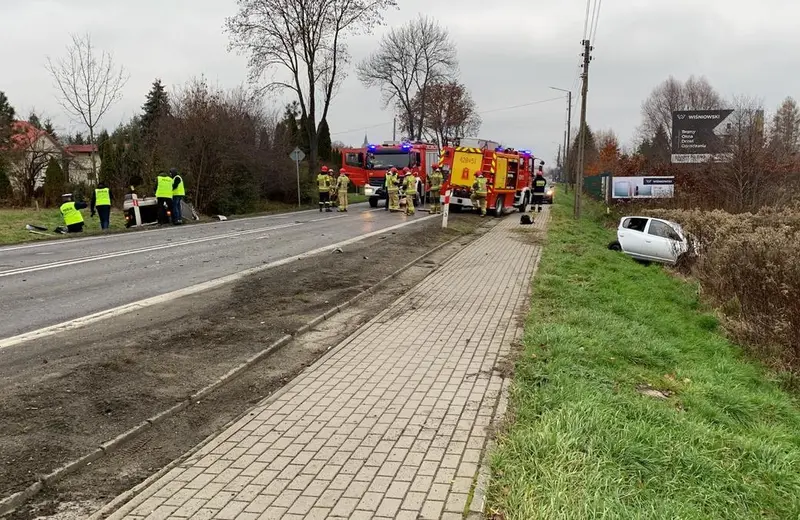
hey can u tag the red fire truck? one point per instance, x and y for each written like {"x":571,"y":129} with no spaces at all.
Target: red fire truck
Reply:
{"x":509,"y":173}
{"x":368,"y":166}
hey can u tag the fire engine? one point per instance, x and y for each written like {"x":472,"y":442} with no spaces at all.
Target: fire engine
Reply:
{"x":368,"y":166}
{"x":509,"y":173}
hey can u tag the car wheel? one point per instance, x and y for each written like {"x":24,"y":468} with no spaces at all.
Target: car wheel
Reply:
{"x":498,"y":207}
{"x":373,"y":202}
{"x":615,"y":246}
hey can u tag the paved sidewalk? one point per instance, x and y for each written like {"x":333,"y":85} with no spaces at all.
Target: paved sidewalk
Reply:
{"x":392,"y":423}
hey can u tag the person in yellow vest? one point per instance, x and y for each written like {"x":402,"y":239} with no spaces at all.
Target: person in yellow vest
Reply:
{"x":334,"y":191}
{"x":410,"y":188}
{"x":70,"y":210}
{"x":342,"y":183}
{"x":435,"y":180}
{"x":101,"y":201}
{"x":480,"y":191}
{"x":324,"y":187}
{"x":164,"y":197}
{"x":390,"y":184}
{"x":178,"y":193}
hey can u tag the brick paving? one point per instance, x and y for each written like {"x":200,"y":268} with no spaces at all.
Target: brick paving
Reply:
{"x":392,"y":423}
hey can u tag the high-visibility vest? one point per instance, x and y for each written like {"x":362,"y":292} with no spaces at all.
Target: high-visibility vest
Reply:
{"x":180,"y":191}
{"x":481,"y":189}
{"x":343,"y":182}
{"x":102,"y":197}
{"x":323,"y":182}
{"x":391,"y":181}
{"x":435,"y":180}
{"x":164,"y":187}
{"x":410,"y":184}
{"x":70,"y":214}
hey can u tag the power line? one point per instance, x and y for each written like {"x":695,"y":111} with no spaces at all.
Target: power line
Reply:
{"x":593,"y":37}
{"x":586,"y":20}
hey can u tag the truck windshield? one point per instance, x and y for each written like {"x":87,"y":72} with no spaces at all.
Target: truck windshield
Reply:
{"x":380,"y":160}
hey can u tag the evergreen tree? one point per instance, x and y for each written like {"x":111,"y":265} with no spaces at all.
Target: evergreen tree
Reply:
{"x":108,"y":162}
{"x":5,"y":184}
{"x":155,"y":107}
{"x":302,"y":137}
{"x":7,"y":112}
{"x":48,"y":127}
{"x":324,"y":148}
{"x":78,"y":138}
{"x":34,"y":120}
{"x":54,"y":182}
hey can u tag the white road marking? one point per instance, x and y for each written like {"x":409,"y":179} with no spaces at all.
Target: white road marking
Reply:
{"x":64,"y":263}
{"x":194,"y":289}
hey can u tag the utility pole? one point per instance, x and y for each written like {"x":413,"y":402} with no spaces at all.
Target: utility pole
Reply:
{"x":579,"y":171}
{"x":394,"y":129}
{"x":567,"y":138}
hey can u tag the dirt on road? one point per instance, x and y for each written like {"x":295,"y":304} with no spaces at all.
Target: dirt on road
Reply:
{"x":63,"y":397}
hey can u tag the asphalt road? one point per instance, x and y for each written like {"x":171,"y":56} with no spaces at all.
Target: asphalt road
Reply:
{"x":48,"y":283}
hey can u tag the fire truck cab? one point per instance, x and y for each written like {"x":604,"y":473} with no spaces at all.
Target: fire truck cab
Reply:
{"x":509,"y":173}
{"x":368,"y":166}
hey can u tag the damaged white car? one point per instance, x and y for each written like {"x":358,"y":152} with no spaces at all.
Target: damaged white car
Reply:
{"x":651,"y":239}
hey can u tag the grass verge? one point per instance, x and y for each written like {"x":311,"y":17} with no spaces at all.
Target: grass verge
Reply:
{"x":13,"y":221}
{"x":628,"y":403}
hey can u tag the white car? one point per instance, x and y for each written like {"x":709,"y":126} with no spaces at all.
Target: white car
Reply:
{"x":651,"y":239}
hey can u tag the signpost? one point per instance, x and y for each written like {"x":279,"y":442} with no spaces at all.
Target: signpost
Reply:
{"x":297,"y":155}
{"x":446,"y":209}
{"x":699,"y":136}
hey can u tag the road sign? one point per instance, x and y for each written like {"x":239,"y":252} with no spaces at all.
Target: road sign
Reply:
{"x":701,"y":135}
{"x":297,"y":155}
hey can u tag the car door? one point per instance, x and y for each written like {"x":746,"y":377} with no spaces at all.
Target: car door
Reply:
{"x":662,"y":242}
{"x":631,"y":235}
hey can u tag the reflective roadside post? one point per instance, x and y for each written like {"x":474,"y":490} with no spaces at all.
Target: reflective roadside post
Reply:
{"x":446,"y":209}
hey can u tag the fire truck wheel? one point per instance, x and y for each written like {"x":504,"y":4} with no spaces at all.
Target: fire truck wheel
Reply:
{"x":524,"y":205}
{"x":498,"y":207}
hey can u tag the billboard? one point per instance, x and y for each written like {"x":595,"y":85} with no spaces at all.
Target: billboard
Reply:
{"x":661,"y":187}
{"x":700,"y":136}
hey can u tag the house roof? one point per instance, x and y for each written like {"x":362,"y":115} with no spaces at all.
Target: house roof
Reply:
{"x":81,"y":148}
{"x":24,"y":134}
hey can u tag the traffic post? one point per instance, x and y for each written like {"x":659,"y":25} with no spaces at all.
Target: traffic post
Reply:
{"x":446,"y":208}
{"x":297,"y":155}
{"x":136,"y":212}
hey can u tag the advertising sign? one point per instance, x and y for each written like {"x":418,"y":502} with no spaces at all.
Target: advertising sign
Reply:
{"x":642,"y":187}
{"x":700,"y":136}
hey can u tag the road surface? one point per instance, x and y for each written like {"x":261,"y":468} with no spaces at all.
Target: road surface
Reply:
{"x":48,"y":283}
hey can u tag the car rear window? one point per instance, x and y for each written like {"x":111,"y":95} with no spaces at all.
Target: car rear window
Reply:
{"x":634,"y":223}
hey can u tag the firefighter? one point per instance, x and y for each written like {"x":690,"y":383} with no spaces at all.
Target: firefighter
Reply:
{"x":101,"y":201}
{"x":70,"y":210}
{"x":178,"y":193}
{"x":341,"y":186}
{"x":392,"y":180}
{"x":324,"y":186}
{"x":334,"y":189}
{"x":479,"y":192}
{"x":539,"y":185}
{"x":435,"y":184}
{"x":164,"y":197}
{"x":410,"y":188}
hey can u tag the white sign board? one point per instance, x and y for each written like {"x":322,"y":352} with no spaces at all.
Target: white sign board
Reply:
{"x":642,"y":187}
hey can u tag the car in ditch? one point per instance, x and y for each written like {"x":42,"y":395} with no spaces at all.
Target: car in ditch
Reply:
{"x":651,"y":239}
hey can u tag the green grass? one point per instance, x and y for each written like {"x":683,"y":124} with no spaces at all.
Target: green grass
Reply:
{"x":13,"y":221}
{"x":584,"y":443}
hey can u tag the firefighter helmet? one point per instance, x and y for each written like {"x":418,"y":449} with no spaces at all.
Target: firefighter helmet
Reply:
{"x":324,"y":169}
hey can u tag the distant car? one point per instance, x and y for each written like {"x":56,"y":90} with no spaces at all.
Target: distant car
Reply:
{"x":651,"y":239}
{"x":548,"y":195}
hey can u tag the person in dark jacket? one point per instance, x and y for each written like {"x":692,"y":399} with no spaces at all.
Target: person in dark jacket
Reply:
{"x":539,"y":185}
{"x":102,"y":198}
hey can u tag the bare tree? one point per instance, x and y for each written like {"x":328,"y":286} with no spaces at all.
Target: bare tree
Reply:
{"x":672,"y":95}
{"x":449,"y":112}
{"x":785,"y":131}
{"x":88,"y":82}
{"x":306,"y":39}
{"x":408,"y":61}
{"x":30,"y":151}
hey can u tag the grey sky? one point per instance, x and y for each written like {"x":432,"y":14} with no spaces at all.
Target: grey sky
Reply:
{"x":510,"y":51}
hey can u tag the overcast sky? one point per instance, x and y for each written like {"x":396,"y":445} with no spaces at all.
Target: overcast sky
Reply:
{"x":510,"y":52}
